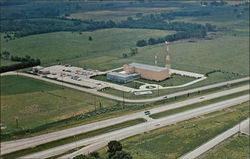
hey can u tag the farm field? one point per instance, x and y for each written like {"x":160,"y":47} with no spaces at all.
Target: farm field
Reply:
{"x":235,"y":147}
{"x":75,"y":47}
{"x":118,"y":14}
{"x":40,"y":102}
{"x":176,"y":140}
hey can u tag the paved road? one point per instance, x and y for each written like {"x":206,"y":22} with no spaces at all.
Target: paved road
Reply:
{"x":101,"y":140}
{"x":11,"y":146}
{"x":92,"y":91}
{"x":215,"y":141}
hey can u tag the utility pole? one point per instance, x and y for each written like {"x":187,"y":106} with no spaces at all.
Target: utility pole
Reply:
{"x":158,"y":90}
{"x":123,"y":100}
{"x":16,"y":122}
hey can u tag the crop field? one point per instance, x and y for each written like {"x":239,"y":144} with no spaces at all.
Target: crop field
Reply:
{"x":235,"y":147}
{"x":173,"y":141}
{"x":40,"y":102}
{"x":118,"y":15}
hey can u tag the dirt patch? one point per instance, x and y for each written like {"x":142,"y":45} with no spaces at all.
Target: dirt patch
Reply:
{"x":169,"y":8}
{"x":65,"y":116}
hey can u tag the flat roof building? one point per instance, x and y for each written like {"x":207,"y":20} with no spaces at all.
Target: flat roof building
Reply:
{"x":122,"y":77}
{"x":149,"y":72}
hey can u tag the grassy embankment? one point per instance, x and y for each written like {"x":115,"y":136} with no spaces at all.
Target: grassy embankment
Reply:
{"x":197,"y":105}
{"x":176,"y":140}
{"x":235,"y":147}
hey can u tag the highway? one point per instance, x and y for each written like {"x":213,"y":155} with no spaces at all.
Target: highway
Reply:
{"x":95,"y":143}
{"x":95,"y":92}
{"x":11,"y":146}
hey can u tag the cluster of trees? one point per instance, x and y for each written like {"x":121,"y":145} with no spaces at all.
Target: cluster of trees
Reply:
{"x":199,"y":31}
{"x":25,"y":62}
{"x":172,"y":14}
{"x":220,"y":3}
{"x":114,"y":152}
{"x":133,"y":52}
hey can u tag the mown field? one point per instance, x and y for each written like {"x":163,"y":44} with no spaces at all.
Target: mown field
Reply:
{"x":106,"y":44}
{"x":173,"y":141}
{"x":36,"y":103}
{"x":235,"y":147}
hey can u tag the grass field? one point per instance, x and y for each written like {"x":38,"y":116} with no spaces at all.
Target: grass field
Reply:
{"x":118,"y":14}
{"x":173,"y":141}
{"x":235,"y":147}
{"x":74,"y":47}
{"x":41,"y":102}
{"x":7,"y":62}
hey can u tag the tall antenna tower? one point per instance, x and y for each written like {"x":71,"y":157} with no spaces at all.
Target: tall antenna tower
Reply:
{"x":167,"y":60}
{"x":156,"y":59}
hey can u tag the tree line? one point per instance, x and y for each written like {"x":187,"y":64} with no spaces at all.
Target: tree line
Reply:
{"x":194,"y":31}
{"x":27,"y":26}
{"x":25,"y":62}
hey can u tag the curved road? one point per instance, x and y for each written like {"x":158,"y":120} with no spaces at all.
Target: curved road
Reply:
{"x":92,"y":91}
{"x":11,"y":146}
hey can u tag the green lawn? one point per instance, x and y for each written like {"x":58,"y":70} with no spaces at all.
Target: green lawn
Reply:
{"x":175,"y":80}
{"x":233,"y":148}
{"x":173,"y":141}
{"x":40,"y":102}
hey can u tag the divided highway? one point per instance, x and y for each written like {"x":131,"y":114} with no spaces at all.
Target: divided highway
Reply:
{"x":97,"y":142}
{"x":11,"y":146}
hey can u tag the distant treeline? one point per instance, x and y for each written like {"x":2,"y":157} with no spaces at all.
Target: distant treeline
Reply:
{"x":25,"y":62}
{"x":188,"y":31}
{"x":24,"y":27}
